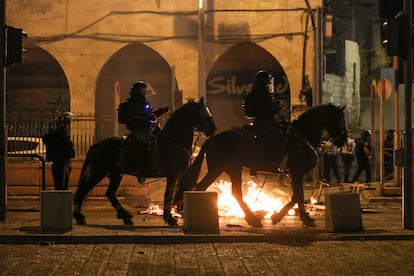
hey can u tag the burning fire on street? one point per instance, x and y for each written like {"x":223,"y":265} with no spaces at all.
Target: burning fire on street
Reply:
{"x":260,"y":200}
{"x":255,"y":196}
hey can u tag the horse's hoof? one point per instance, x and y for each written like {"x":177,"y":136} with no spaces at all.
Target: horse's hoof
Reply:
{"x":276,"y":218}
{"x":128,"y":222}
{"x":79,"y":218}
{"x":254,"y":221}
{"x":308,"y":221}
{"x":309,"y":224}
{"x":172,"y":222}
{"x":124,"y":215}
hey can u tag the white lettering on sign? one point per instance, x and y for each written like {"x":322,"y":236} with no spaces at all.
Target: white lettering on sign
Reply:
{"x":228,"y":85}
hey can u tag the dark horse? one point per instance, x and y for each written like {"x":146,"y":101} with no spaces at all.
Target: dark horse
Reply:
{"x":175,"y":148}
{"x":226,"y":152}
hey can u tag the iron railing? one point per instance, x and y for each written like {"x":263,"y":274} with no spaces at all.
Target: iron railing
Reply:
{"x":27,"y":127}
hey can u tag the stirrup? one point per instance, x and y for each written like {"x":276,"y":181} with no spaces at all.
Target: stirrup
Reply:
{"x":141,"y":180}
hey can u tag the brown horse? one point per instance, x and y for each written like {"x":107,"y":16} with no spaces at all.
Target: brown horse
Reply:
{"x":226,"y":152}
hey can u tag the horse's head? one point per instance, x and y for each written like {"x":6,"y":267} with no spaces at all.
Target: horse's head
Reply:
{"x":336,"y":125}
{"x":203,"y":120}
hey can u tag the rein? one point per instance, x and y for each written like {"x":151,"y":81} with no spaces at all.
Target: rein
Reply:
{"x":306,"y":142}
{"x":196,"y":141}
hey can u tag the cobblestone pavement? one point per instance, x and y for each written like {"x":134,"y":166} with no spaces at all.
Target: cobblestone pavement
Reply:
{"x":291,"y":258}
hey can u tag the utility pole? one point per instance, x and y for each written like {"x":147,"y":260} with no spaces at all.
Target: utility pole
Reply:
{"x":408,"y":196}
{"x":201,"y":52}
{"x":3,"y":124}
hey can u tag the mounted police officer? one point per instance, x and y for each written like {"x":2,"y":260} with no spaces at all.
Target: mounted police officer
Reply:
{"x":262,"y":107}
{"x":141,"y":121}
{"x":260,"y":104}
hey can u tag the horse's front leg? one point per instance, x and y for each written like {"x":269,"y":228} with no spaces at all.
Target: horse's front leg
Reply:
{"x":297,"y":197}
{"x":237,"y":193}
{"x":277,"y":217}
{"x":168,"y":196}
{"x":77,"y":214}
{"x":114,"y":181}
{"x":86,"y":183}
{"x":300,"y":199}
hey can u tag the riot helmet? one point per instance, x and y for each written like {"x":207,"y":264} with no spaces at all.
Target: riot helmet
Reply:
{"x":141,"y":89}
{"x":66,"y":118}
{"x":265,"y":79}
{"x":366,"y":134}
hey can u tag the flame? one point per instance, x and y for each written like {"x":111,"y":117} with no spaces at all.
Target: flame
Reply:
{"x":313,"y":200}
{"x":255,"y":197}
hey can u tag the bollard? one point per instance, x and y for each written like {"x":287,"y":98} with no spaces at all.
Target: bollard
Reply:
{"x":201,"y":212}
{"x":56,"y":211}
{"x":343,"y":212}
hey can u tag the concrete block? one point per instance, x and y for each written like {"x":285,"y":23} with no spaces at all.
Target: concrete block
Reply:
{"x":56,"y":211}
{"x":343,"y":212}
{"x":201,"y":212}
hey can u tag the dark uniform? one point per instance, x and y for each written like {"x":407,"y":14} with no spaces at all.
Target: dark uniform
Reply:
{"x":363,"y":156}
{"x":142,"y":122}
{"x":389,"y":155}
{"x":141,"y":119}
{"x":261,"y":106}
{"x":60,"y":150}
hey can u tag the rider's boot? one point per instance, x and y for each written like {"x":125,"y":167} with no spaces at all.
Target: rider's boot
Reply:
{"x":255,"y":161}
{"x":153,"y":154}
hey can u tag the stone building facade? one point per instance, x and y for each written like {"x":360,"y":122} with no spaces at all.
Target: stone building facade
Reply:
{"x":80,"y":55}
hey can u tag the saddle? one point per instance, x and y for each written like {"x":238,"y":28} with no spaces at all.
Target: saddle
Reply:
{"x":140,"y":159}
{"x":264,"y":149}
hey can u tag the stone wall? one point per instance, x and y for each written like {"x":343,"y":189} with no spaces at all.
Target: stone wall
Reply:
{"x":345,"y":90}
{"x":83,"y":35}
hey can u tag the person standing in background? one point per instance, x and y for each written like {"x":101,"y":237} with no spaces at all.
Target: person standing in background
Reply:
{"x":347,"y":153}
{"x":363,"y":156}
{"x":60,"y":151}
{"x":330,"y":156}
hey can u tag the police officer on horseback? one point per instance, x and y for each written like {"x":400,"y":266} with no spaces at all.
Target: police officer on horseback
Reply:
{"x":261,"y":104}
{"x":141,"y":120}
{"x":262,"y":107}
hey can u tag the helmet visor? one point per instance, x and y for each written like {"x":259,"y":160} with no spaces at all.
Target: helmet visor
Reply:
{"x":149,"y":91}
{"x":271,"y":85}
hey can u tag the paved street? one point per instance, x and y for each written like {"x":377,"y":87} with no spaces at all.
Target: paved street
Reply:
{"x":290,"y":258}
{"x":106,"y":247}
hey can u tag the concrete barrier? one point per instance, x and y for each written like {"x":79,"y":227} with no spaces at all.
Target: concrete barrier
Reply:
{"x":343,"y":212}
{"x":56,"y":211}
{"x":201,"y":212}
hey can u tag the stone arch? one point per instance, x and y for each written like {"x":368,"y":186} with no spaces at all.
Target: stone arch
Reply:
{"x":128,"y":65}
{"x":232,"y":75}
{"x":36,"y":89}
{"x":39,"y":83}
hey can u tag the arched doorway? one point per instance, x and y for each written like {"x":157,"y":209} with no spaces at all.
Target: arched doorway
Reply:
{"x":128,"y":65}
{"x":232,"y":77}
{"x":36,"y":89}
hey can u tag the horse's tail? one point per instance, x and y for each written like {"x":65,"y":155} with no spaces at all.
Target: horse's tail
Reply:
{"x":86,"y":167}
{"x":83,"y":188}
{"x":189,"y":180}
